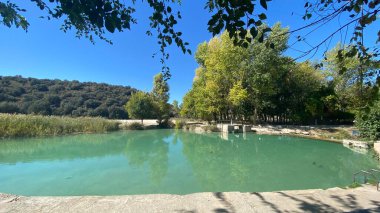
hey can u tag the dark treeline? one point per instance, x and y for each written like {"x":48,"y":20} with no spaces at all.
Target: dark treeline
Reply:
{"x":57,"y":97}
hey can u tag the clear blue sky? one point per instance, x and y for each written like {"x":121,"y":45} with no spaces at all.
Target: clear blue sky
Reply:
{"x":46,"y":52}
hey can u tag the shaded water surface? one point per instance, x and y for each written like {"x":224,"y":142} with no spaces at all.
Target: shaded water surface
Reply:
{"x":169,"y":161}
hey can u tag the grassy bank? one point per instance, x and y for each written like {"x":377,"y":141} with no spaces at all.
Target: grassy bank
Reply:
{"x":17,"y":125}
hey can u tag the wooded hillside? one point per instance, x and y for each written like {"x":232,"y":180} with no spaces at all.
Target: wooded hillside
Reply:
{"x":57,"y":97}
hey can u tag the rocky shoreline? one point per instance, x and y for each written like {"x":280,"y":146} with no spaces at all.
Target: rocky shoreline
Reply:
{"x":338,"y":134}
{"x":330,"y":133}
{"x":343,"y":134}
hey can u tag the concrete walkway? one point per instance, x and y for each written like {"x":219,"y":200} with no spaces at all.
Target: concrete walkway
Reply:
{"x":362,"y":199}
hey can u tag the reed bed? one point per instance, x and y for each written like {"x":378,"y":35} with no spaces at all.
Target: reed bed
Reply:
{"x":18,"y":125}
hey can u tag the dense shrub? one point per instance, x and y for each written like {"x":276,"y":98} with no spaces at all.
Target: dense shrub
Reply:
{"x":134,"y":126}
{"x":13,"y":125}
{"x":7,"y":107}
{"x":368,"y":122}
{"x":40,"y":107}
{"x":117,"y":112}
{"x":166,"y":124}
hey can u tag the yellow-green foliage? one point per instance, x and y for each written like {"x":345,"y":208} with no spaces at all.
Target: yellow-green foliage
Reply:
{"x":179,"y":124}
{"x":354,"y":185}
{"x":13,"y":125}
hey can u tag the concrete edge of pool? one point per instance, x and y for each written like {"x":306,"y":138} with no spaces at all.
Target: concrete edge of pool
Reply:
{"x":365,"y":198}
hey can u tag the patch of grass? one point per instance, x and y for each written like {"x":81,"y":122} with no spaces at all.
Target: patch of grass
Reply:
{"x":134,"y":126}
{"x":17,"y":125}
{"x":373,"y":182}
{"x":354,"y":185}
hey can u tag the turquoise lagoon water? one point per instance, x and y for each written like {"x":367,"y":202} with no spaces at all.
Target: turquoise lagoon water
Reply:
{"x":170,"y":161}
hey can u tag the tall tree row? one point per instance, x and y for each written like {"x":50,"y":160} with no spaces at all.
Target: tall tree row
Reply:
{"x":260,"y":84}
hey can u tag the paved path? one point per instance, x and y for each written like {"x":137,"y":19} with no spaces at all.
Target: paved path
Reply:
{"x":362,"y":199}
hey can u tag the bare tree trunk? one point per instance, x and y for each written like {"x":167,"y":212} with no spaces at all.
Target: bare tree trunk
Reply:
{"x":255,"y":116}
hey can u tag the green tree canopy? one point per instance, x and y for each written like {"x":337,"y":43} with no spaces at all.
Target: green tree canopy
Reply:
{"x":354,"y":81}
{"x":255,"y":83}
{"x":368,"y":121}
{"x":176,"y":108}
{"x":141,"y":106}
{"x":160,"y":94}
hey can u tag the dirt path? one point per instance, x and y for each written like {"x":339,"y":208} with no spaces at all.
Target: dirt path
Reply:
{"x":365,"y":199}
{"x":147,"y":122}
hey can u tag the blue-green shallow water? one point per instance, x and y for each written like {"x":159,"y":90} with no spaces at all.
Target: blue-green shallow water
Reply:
{"x":169,"y":161}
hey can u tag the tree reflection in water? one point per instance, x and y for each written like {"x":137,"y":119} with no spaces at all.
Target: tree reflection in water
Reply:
{"x":263,"y":162}
{"x":150,"y":148}
{"x":171,"y":161}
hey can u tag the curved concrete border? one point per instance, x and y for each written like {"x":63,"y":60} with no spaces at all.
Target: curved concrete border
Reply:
{"x":332,"y":200}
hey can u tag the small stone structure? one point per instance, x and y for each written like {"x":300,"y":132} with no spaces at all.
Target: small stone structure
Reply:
{"x":247,"y":128}
{"x":356,"y":149}
{"x":225,"y":127}
{"x":359,"y":144}
{"x":235,"y":128}
{"x":376,"y":147}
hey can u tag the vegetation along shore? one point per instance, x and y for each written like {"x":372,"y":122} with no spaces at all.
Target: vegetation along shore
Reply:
{"x":18,"y":125}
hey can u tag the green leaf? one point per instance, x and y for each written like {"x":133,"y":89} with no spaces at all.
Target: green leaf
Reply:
{"x":262,"y":16}
{"x":251,"y":21}
{"x":109,"y":24}
{"x":264,"y":4}
{"x":268,"y":29}
{"x":258,"y":23}
{"x":356,"y":8}
{"x":261,"y":39}
{"x":253,"y":32}
{"x":307,"y":16}
{"x":107,"y":7}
